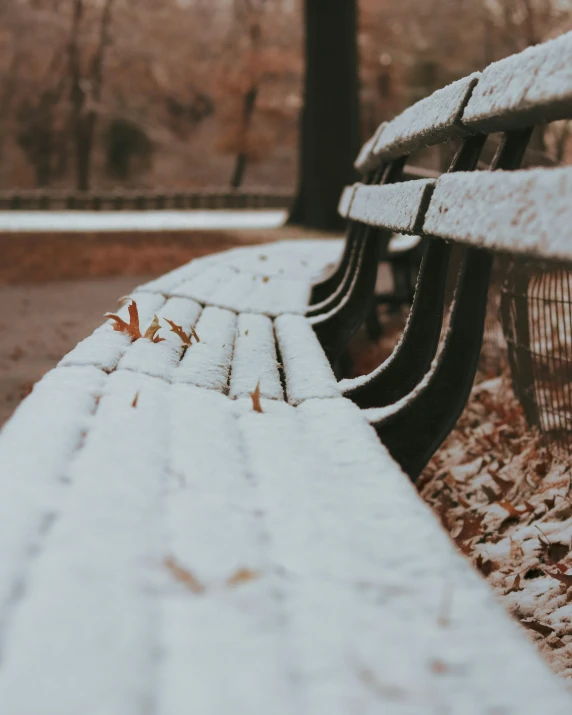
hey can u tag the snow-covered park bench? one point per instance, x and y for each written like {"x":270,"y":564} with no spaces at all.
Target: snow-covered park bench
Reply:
{"x":213,"y":524}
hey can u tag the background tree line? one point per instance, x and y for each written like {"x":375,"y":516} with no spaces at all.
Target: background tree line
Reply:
{"x":95,"y":93}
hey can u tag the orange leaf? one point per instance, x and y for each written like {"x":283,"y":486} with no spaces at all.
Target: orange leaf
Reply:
{"x":242,"y":576}
{"x":256,"y":406}
{"x":184,"y":576}
{"x":131,"y":328}
{"x":135,"y":400}
{"x":152,"y":330}
{"x":471,"y":527}
{"x":178,"y":330}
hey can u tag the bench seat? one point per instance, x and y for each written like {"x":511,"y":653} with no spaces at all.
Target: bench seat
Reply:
{"x":271,"y":278}
{"x":183,"y":550}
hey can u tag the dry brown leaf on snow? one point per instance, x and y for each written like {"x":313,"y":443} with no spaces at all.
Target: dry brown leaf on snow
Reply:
{"x":504,"y":484}
{"x":184,"y":576}
{"x":178,"y":330}
{"x":535,"y":625}
{"x":135,"y":400}
{"x":472,"y":526}
{"x":152,"y":330}
{"x":564,"y":578}
{"x":131,"y":328}
{"x":515,"y":585}
{"x":255,"y":396}
{"x":242,"y":576}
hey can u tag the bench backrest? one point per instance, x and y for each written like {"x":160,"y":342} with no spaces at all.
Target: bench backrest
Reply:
{"x":526,"y":212}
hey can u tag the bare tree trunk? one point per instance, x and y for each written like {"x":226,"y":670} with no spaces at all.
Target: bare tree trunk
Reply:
{"x":330,"y":127}
{"x":242,"y":158}
{"x":84,"y":122}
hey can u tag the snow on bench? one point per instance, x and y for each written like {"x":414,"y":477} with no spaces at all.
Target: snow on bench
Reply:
{"x":433,"y":120}
{"x":527,"y":212}
{"x":255,"y":361}
{"x":243,"y":562}
{"x":307,"y":371}
{"x":524,"y":89}
{"x":396,"y":207}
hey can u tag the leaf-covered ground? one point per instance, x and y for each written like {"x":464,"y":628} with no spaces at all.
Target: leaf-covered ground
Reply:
{"x":504,"y":495}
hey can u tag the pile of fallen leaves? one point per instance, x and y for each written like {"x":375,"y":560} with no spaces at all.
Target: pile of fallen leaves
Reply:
{"x":504,"y":495}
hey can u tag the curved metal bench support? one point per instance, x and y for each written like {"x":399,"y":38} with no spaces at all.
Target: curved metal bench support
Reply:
{"x":415,"y":429}
{"x":329,"y":293}
{"x":334,"y":329}
{"x":412,"y":357}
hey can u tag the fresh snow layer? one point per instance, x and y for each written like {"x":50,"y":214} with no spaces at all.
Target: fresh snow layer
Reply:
{"x":49,"y":221}
{"x":307,"y":371}
{"x":522,"y":212}
{"x":433,"y":120}
{"x":105,"y":346}
{"x":366,"y":160}
{"x":206,"y":555}
{"x":270,"y":279}
{"x":161,"y":359}
{"x":254,"y":360}
{"x":397,"y":207}
{"x":521,"y":90}
{"x":207,"y":363}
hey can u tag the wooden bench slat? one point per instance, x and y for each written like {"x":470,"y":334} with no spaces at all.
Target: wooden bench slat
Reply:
{"x":86,"y":609}
{"x":204,"y":283}
{"x":167,"y":282}
{"x":523,"y":212}
{"x":366,"y":160}
{"x":36,"y":447}
{"x":105,"y":346}
{"x":397,"y":207}
{"x":161,"y":359}
{"x":433,"y":120}
{"x":207,"y":363}
{"x":343,"y":576}
{"x":521,"y":90}
{"x":254,"y":359}
{"x":307,"y":371}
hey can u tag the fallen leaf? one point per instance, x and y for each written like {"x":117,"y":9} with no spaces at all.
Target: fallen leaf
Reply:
{"x":564,"y":578}
{"x":512,"y":510}
{"x":242,"y":576}
{"x":152,"y":331}
{"x":256,"y":406}
{"x":184,"y":576}
{"x":515,"y":585}
{"x":471,"y":527}
{"x":541,"y":628}
{"x":265,"y":279}
{"x":131,"y":328}
{"x":178,"y":330}
{"x":485,"y":565}
{"x":490,"y":494}
{"x":135,"y":400}
{"x":503,"y":484}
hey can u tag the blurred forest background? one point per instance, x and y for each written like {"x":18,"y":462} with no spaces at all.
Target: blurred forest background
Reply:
{"x":191,"y":93}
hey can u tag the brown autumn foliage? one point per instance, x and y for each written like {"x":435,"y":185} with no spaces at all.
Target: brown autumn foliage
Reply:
{"x":166,"y":93}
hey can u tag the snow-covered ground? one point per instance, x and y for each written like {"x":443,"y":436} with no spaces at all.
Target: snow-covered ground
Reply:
{"x":51,"y":221}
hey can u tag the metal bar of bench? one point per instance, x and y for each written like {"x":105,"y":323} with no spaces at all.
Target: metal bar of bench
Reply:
{"x":412,"y":357}
{"x":413,"y":428}
{"x":330,"y":292}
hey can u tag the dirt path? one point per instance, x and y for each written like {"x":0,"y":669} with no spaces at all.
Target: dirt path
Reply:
{"x":41,"y":322}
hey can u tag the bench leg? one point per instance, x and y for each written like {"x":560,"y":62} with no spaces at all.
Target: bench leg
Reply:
{"x":334,"y":329}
